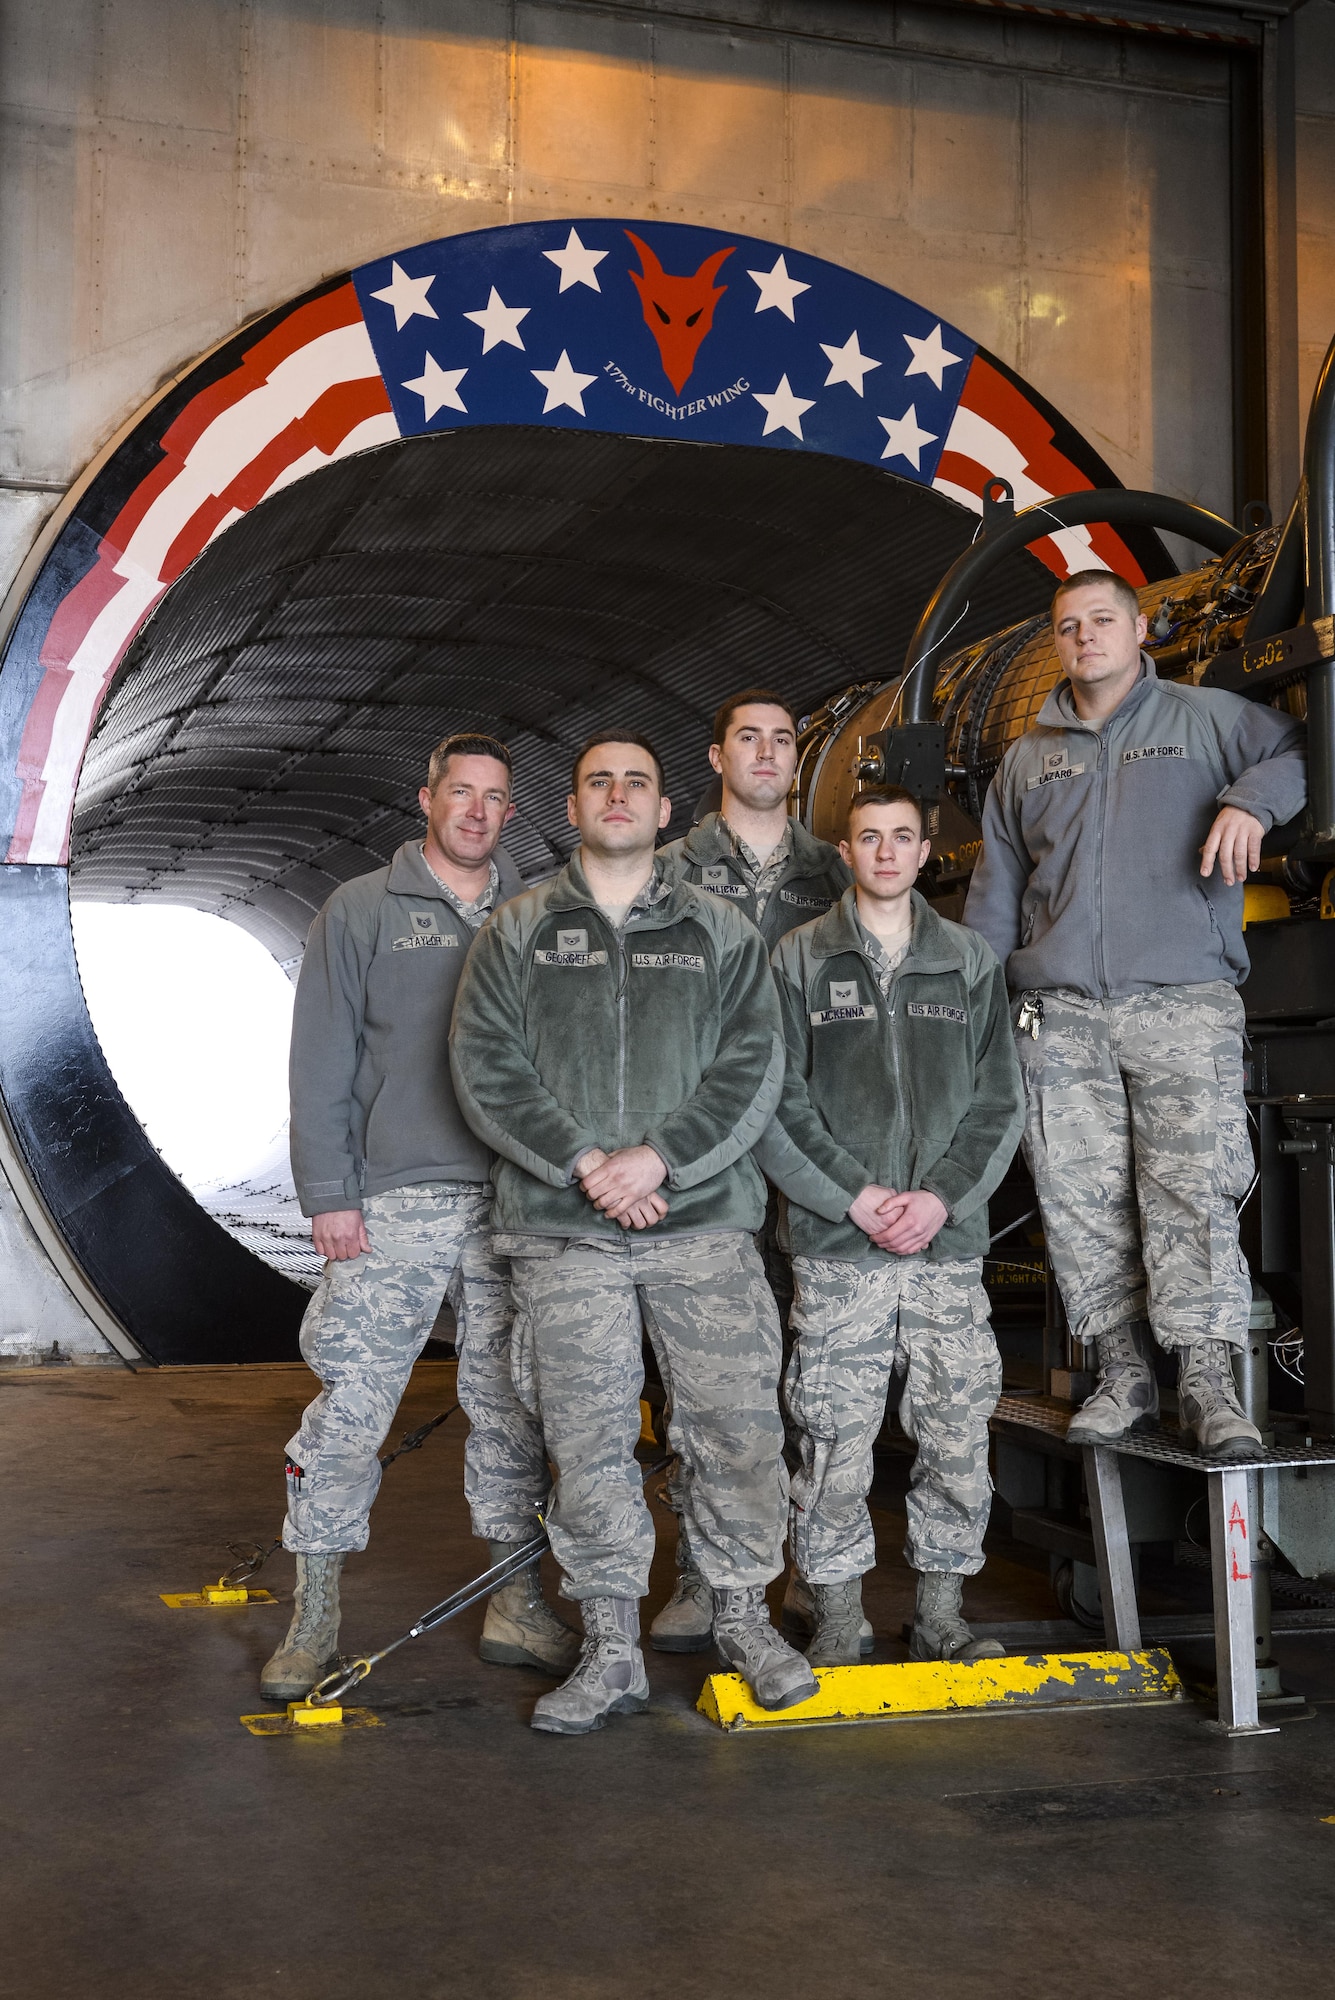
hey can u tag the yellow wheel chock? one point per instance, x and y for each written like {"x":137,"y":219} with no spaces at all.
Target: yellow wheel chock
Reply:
{"x":922,"y":1690}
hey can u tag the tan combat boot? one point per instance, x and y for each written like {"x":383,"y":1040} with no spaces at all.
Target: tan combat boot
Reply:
{"x":939,"y":1630}
{"x":310,"y":1650}
{"x":521,"y":1629}
{"x":1126,"y":1396}
{"x":1207,"y":1403}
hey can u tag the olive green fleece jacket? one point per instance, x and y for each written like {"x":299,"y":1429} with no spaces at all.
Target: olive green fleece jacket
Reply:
{"x":569,"y":1033}
{"x":814,"y":879}
{"x":920,"y":1091}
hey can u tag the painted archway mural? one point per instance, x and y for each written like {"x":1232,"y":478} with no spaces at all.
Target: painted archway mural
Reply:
{"x":650,"y":330}
{"x":660,"y":330}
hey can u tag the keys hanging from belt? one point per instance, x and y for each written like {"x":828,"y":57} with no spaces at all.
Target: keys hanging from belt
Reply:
{"x":1031,"y":1014}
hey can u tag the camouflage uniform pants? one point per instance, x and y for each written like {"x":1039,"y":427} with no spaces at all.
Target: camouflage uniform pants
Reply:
{"x":363,"y":1330}
{"x":852,"y":1326}
{"x":1136,"y":1135}
{"x":578,"y":1362}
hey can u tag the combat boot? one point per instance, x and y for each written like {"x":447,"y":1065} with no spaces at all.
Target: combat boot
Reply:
{"x":939,"y":1631}
{"x":521,"y":1629}
{"x":1126,"y":1396}
{"x":686,"y":1622}
{"x":797,"y":1619}
{"x":777,"y":1676}
{"x":610,"y":1678}
{"x":839,"y":1624}
{"x":1208,"y":1406}
{"x":310,"y":1650}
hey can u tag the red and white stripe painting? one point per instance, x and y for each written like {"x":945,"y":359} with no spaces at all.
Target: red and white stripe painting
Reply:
{"x":306,"y":394}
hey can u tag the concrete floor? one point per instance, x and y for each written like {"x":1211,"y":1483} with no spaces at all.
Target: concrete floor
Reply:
{"x":152,"y":1847}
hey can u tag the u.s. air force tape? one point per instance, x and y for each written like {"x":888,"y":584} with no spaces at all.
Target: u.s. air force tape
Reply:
{"x":933,"y":1010}
{"x":667,"y":961}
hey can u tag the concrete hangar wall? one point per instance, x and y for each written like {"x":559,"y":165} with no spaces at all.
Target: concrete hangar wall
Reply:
{"x":1137,"y":219}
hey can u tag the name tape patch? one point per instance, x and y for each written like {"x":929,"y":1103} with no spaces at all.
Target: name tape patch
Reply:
{"x":422,"y":939}
{"x":933,"y":1010}
{"x":1051,"y":773}
{"x":719,"y":882}
{"x":570,"y":958}
{"x":826,"y":1015}
{"x":667,"y":961}
{"x":1144,"y":750}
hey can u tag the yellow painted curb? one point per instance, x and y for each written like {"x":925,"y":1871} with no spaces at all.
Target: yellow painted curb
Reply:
{"x":936,"y":1687}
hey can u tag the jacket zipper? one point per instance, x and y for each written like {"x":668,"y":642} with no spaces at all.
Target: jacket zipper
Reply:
{"x":896,"y":1067}
{"x":1100,"y":969}
{"x":623,"y":1011}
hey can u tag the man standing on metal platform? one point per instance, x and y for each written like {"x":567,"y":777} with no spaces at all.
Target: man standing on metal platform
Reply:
{"x":766,"y":864}
{"x":399,"y":1191}
{"x":1117,"y":838}
{"x":900,"y":1113}
{"x":616,"y":1039}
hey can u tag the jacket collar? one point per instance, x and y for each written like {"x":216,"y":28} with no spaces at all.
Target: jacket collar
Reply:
{"x":1058,"y":711}
{"x":570,"y":891}
{"x":711,"y":841}
{"x":409,"y":874}
{"x":931,"y":948}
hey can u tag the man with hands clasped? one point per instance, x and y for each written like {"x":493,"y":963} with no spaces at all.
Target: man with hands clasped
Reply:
{"x":616,"y":1040}
{"x":900,"y":1113}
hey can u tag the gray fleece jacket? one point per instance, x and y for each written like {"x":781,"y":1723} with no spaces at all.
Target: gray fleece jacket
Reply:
{"x":1090,"y":874}
{"x":811,"y":883}
{"x":373,"y":1105}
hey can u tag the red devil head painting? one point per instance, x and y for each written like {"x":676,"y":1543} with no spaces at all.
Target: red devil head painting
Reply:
{"x":677,"y":311}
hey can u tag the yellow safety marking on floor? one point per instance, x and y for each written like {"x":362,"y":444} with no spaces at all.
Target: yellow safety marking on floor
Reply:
{"x":214,"y":1594}
{"x":301,"y":1719}
{"x":929,"y":1688}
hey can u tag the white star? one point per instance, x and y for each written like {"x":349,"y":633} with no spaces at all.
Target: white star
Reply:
{"x":783,"y":410}
{"x":904,"y":439}
{"x":777,"y":288}
{"x":499,"y":323}
{"x":576,"y":264}
{"x":847,"y":363}
{"x":439,"y":388}
{"x":565,"y":385}
{"x":930,"y":356}
{"x":407,"y":296}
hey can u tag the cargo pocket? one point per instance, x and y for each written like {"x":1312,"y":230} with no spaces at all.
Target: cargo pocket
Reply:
{"x":524,"y":1250}
{"x":1234,"y":1162}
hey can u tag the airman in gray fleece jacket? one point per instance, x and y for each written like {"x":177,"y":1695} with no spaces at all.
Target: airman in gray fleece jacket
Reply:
{"x":1117,"y":838}
{"x":400,"y":1192}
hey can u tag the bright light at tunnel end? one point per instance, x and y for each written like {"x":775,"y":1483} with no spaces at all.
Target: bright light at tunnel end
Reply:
{"x":194,"y":1017}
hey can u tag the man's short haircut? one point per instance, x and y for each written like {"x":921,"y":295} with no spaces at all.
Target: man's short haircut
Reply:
{"x":1124,"y":592}
{"x":617,"y":736}
{"x":750,"y":698}
{"x":883,"y":795}
{"x":467,"y":743}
